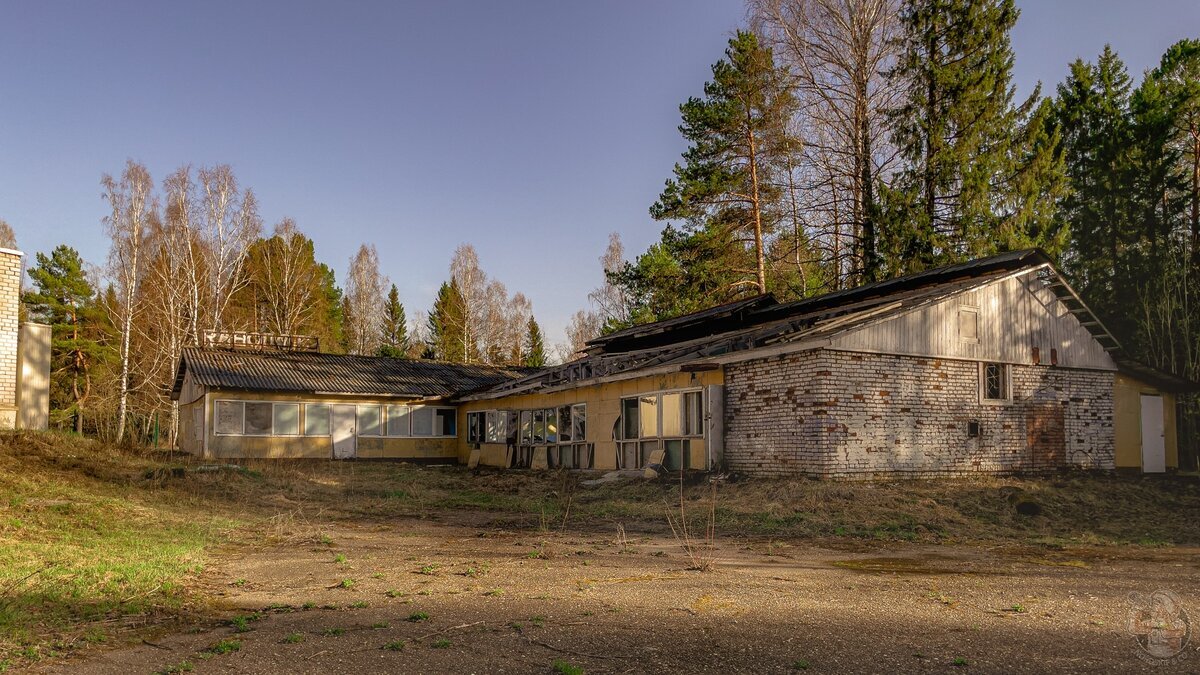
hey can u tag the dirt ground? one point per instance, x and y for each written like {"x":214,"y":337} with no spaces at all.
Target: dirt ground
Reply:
{"x":452,"y":595}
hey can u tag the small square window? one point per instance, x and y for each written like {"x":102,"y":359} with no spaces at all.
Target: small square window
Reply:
{"x":994,"y":382}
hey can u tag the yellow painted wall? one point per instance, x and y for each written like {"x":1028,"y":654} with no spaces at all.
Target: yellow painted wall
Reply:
{"x":603,"y":409}
{"x":313,"y":447}
{"x":1127,"y":422}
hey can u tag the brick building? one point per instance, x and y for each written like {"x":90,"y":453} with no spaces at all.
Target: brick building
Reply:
{"x":991,"y":366}
{"x":24,"y":355}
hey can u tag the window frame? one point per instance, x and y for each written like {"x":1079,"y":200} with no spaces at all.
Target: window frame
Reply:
{"x":328,"y":420}
{"x":381,"y":425}
{"x":434,"y":427}
{"x":242,"y":402}
{"x":387,"y":423}
{"x":1005,"y":383}
{"x":967,"y":309}
{"x":275,"y":405}
{"x":242,"y":427}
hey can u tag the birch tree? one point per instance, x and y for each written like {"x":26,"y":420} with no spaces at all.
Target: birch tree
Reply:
{"x":230,"y":223}
{"x":472,"y":285}
{"x":131,"y":207}
{"x":364,"y":302}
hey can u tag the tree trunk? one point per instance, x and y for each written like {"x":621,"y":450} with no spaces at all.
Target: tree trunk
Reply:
{"x":760,"y":255}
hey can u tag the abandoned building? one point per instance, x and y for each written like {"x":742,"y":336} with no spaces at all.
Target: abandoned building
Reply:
{"x":24,"y":355}
{"x":990,"y":366}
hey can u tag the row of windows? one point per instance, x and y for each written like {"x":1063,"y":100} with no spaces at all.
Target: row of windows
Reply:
{"x":546,"y":426}
{"x":665,"y":415}
{"x":266,"y":418}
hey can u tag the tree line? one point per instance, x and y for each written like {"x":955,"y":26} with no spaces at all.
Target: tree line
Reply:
{"x":841,"y":142}
{"x":189,"y":256}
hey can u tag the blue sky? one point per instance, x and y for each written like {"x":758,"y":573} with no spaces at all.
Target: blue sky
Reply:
{"x":529,"y":129}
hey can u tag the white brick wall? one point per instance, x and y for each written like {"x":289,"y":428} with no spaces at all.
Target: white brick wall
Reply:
{"x":10,"y":299}
{"x":843,"y":414}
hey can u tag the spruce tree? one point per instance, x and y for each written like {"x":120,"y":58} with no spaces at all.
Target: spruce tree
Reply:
{"x":63,"y":298}
{"x":1097,"y":136}
{"x":976,"y":164}
{"x":447,"y":324}
{"x":535,"y":346}
{"x":395,"y":327}
{"x":737,"y":133}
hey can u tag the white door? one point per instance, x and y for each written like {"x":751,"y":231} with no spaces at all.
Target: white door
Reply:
{"x":1154,"y":448}
{"x":341,"y":427}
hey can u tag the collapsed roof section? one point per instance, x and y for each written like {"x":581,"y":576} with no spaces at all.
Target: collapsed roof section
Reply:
{"x":703,"y":340}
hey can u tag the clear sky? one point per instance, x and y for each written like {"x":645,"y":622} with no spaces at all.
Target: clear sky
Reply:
{"x":529,"y":129}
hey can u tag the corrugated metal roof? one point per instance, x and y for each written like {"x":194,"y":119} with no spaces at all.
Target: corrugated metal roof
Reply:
{"x":310,"y":372}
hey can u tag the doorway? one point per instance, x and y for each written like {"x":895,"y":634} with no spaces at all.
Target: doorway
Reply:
{"x":1154,"y":446}
{"x":342,"y":430}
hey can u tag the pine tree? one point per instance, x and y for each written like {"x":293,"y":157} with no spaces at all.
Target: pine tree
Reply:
{"x":535,"y":346}
{"x":737,"y":133}
{"x":65,"y":299}
{"x":395,"y":327}
{"x":976,"y":163}
{"x":447,"y":324}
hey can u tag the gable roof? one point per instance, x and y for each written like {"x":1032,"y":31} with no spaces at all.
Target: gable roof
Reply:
{"x":316,"y":373}
{"x":700,"y":340}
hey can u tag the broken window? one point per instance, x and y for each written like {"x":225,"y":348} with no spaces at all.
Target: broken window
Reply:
{"x":526,"y":427}
{"x":258,"y":418}
{"x":445,"y":421}
{"x":316,"y":419}
{"x":693,"y":414}
{"x":497,"y":423}
{"x":229,"y":418}
{"x":995,"y":382}
{"x":629,"y":417}
{"x":564,"y":423}
{"x":552,"y":425}
{"x":539,"y":427}
{"x":579,"y":422}
{"x":475,"y":424}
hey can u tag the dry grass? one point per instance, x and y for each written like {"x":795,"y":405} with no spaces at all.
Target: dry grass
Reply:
{"x":94,"y":539}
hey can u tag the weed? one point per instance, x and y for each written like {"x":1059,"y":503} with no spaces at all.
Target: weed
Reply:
{"x":1018,"y":608}
{"x":441,"y":644}
{"x":294,"y":638}
{"x":393,"y":593}
{"x":346,"y":583}
{"x":309,"y":605}
{"x":241,"y":624}
{"x":395,"y":646}
{"x":495,"y":592}
{"x":184,"y":666}
{"x":430,"y":569}
{"x":417,"y":617}
{"x":225,"y":647}
{"x":239,"y":583}
{"x":800,"y":665}
{"x":379,"y":625}
{"x":959,"y":662}
{"x":339,"y":558}
{"x":333,"y":632}
{"x":360,"y":604}
{"x":377,"y":575}
{"x":566,"y":668}
{"x":699,"y":552}
{"x":538,"y":621}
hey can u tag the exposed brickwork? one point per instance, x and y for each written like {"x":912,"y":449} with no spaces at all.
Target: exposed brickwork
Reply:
{"x":10,"y":291}
{"x":843,"y":414}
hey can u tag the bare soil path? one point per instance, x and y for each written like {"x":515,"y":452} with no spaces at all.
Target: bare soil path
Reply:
{"x":417,"y":596}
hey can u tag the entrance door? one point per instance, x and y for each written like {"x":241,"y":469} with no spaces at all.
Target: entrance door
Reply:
{"x":342,"y":430}
{"x":1154,"y":447}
